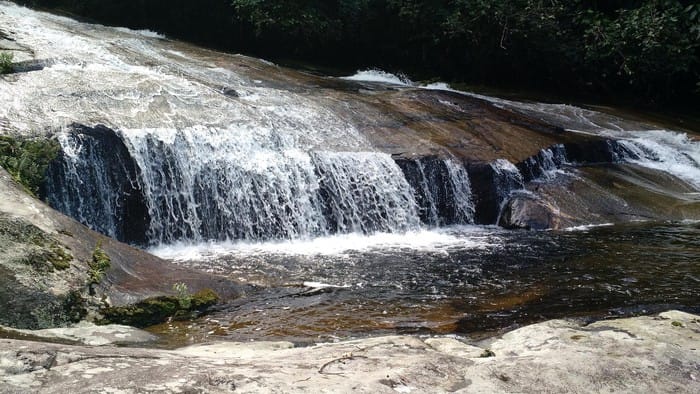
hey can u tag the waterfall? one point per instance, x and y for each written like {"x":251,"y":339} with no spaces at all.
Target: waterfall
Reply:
{"x":507,"y":178}
{"x":199,"y":184}
{"x":364,"y":192}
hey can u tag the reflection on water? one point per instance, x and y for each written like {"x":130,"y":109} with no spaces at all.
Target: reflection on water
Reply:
{"x":471,"y":280}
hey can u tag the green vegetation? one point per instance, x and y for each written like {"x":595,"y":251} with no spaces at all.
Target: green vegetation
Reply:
{"x":99,"y":264}
{"x":646,"y":50}
{"x":159,"y":309}
{"x":184,"y":298}
{"x":27,"y":159}
{"x":5,"y":62}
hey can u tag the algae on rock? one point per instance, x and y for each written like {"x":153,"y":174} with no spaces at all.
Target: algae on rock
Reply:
{"x":6,"y":62}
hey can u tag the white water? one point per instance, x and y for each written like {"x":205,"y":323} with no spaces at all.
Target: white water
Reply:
{"x":379,"y":76}
{"x":460,"y":237}
{"x":461,"y":187}
{"x":663,"y":150}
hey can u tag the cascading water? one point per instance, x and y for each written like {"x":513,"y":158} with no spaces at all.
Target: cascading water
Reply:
{"x":674,"y":153}
{"x":545,"y":164}
{"x":441,"y":189}
{"x":201,"y":184}
{"x":209,"y":152}
{"x":507,"y":179}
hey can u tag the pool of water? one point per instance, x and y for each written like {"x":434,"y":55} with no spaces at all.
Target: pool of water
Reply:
{"x":466,"y":280}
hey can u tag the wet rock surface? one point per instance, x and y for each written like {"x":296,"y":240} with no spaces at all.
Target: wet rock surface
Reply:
{"x":44,"y":266}
{"x":643,"y":354}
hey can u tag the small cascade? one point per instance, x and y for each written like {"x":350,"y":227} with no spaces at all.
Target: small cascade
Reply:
{"x":211,"y":184}
{"x":507,"y":178}
{"x":662,"y":150}
{"x":441,"y":188}
{"x":462,"y":193}
{"x":492,"y":184}
{"x":543,"y":166}
{"x":204,"y":184}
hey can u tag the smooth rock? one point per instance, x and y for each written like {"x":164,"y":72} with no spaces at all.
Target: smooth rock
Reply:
{"x":89,"y":334}
{"x":643,"y":354}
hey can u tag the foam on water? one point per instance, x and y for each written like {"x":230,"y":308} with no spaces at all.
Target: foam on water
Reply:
{"x":143,"y":32}
{"x":462,"y":237}
{"x":587,"y":227}
{"x":379,"y":76}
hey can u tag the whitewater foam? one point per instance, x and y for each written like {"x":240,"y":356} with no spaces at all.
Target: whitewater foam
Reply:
{"x":463,"y":237}
{"x":587,"y":227}
{"x":379,"y":76}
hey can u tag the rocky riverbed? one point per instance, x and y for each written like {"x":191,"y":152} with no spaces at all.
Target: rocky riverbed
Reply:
{"x":658,"y":354}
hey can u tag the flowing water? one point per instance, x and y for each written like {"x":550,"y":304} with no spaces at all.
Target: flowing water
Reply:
{"x":235,"y":166}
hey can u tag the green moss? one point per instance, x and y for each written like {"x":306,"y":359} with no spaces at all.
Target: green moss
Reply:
{"x":204,"y":299}
{"x":159,"y":309}
{"x":6,"y":62}
{"x":99,"y":264}
{"x":183,"y":295}
{"x":27,"y":160}
{"x":676,"y":324}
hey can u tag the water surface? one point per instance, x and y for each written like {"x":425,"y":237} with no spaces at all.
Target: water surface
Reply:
{"x":469,"y":280}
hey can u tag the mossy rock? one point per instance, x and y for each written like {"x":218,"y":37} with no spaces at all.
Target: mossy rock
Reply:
{"x":157,"y":310}
{"x":204,"y":298}
{"x":28,"y":159}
